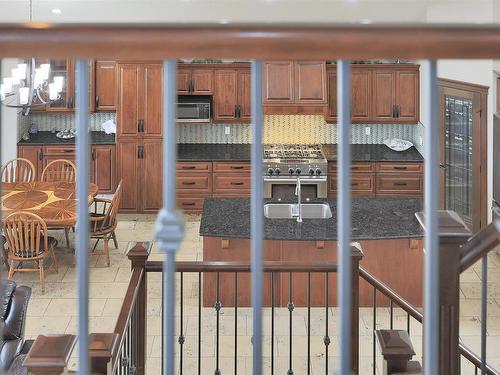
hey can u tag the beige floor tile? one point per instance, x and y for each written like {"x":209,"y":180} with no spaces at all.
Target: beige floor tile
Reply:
{"x":37,"y":306}
{"x":47,"y":325}
{"x":68,"y":307}
{"x":112,"y":307}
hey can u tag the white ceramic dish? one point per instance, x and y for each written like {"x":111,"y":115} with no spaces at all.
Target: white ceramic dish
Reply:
{"x":397,"y":144}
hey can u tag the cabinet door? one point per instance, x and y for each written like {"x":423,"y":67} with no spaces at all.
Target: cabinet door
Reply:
{"x":105,"y":86}
{"x":183,"y":79}
{"x":35,"y":155}
{"x":244,"y":96}
{"x":361,"y":95}
{"x":65,"y":69}
{"x":153,"y":100}
{"x":383,"y":95}
{"x":150,"y":187}
{"x":407,"y":96}
{"x":331,"y":84}
{"x":310,"y":82}
{"x":226,"y":95}
{"x":129,"y":99}
{"x":202,"y":81}
{"x":128,"y":153}
{"x":278,"y":82}
{"x":103,"y":167}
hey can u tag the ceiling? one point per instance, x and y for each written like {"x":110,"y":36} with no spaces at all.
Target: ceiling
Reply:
{"x":224,"y":11}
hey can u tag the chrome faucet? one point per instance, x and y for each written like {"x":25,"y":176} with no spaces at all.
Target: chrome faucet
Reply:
{"x":298,"y":193}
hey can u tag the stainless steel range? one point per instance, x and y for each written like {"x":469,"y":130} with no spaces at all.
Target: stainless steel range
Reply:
{"x":284,"y":164}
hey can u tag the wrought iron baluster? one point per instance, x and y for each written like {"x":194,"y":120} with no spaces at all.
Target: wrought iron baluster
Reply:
{"x":408,"y":323}
{"x":236,"y":323}
{"x":326,"y":339}
{"x":199,"y":323}
{"x":272,"y":323}
{"x":181,"y":335}
{"x":391,"y":314}
{"x":290,"y":309}
{"x":308,"y":323}
{"x":374,"y":328}
{"x":217,"y":307}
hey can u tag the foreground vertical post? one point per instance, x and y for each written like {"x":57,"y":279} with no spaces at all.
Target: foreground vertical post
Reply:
{"x":431,"y":257}
{"x":82,"y":239}
{"x":484,"y":310}
{"x":169,"y":230}
{"x":344,"y":212}
{"x":257,"y":215}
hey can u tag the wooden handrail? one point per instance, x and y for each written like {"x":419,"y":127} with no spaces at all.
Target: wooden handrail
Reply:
{"x":480,"y":244}
{"x":269,"y":266}
{"x":417,"y":315}
{"x":249,"y":41}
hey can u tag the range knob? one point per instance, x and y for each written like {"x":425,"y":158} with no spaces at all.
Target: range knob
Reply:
{"x":311,"y":171}
{"x":277,"y":171}
{"x":270,"y":171}
{"x":298,"y":171}
{"x":318,"y":171}
{"x":291,"y":171}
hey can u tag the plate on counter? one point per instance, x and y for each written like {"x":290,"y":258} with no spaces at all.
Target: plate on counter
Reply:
{"x":397,"y":144}
{"x":65,"y":134}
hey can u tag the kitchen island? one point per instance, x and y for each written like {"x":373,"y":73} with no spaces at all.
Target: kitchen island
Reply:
{"x":385,"y":228}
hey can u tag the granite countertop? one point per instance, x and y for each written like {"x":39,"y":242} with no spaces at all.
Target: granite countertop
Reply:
{"x":372,"y":218}
{"x":49,"y":138}
{"x":374,"y":153}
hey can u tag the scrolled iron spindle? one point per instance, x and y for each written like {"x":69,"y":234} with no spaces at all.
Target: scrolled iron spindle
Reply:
{"x":391,"y":311}
{"x":408,"y":323}
{"x":181,"y":330}
{"x":217,"y":308}
{"x":290,"y":310}
{"x":326,"y":339}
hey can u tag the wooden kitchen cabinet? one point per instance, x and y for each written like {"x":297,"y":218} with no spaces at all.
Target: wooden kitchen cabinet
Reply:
{"x":194,"y":81}
{"x":310,"y":82}
{"x":194,"y":184}
{"x":103,"y":167}
{"x":231,"y":179}
{"x":278,"y":82}
{"x":35,"y":155}
{"x":232,"y":91}
{"x":128,"y":169}
{"x":104,"y":86}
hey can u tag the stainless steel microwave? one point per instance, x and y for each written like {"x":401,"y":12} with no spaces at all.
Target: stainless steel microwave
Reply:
{"x":194,"y":109}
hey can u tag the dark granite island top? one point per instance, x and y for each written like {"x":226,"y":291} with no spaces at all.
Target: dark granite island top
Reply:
{"x":372,"y":218}
{"x":49,"y":138}
{"x":374,"y":153}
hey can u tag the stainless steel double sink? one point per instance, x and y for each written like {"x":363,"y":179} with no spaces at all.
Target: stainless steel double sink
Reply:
{"x":291,"y":210}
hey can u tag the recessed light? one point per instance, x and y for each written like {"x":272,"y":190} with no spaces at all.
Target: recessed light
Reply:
{"x":224,"y":21}
{"x":365,"y":21}
{"x":56,"y":11}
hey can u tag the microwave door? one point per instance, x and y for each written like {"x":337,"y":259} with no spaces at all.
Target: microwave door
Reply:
{"x":187,"y":112}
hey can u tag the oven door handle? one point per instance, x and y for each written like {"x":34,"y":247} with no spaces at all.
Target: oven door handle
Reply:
{"x":305,"y":181}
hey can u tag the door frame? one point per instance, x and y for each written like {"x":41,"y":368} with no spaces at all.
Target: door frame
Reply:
{"x":479,"y":96}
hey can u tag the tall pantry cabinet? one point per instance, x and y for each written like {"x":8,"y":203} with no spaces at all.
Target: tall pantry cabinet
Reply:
{"x":139,"y":135}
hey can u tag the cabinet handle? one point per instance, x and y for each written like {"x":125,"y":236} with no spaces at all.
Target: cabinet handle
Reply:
{"x":142,"y":152}
{"x":236,"y":111}
{"x":138,"y":152}
{"x":189,"y":167}
{"x":70,"y":102}
{"x":237,"y":183}
{"x":188,"y":203}
{"x":68,"y":151}
{"x":237,"y":167}
{"x":354,"y":184}
{"x":400,"y":184}
{"x":97,"y":100}
{"x":189,"y":183}
{"x":191,"y":86}
{"x":397,"y":111}
{"x":93,"y":154}
{"x":40,"y":154}
{"x":400,"y":168}
{"x":140,"y":126}
{"x":238,"y":108}
{"x":394,"y":109}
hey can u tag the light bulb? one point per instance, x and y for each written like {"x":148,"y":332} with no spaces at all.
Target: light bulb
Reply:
{"x":16,"y":79}
{"x":21,"y":68}
{"x":7,"y":84}
{"x":38,"y":77}
{"x":45,"y":71}
{"x":24,"y":93}
{"x":53,"y":93}
{"x":59,"y":81}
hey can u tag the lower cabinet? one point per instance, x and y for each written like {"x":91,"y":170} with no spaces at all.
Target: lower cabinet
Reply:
{"x":231,"y":179}
{"x":194,"y":184}
{"x":102,"y":161}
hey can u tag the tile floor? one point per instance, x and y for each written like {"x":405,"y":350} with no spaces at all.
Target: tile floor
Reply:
{"x":56,"y":312}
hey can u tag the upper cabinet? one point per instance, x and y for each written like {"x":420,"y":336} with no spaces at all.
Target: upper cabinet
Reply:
{"x":295,"y":83}
{"x":195,"y":81}
{"x":380,"y":94}
{"x":139,"y":108}
{"x":104,"y":86}
{"x":232,"y":95}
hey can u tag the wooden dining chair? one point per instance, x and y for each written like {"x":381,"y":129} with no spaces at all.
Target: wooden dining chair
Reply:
{"x":28,"y":243}
{"x":103,"y":221}
{"x":18,"y":170}
{"x":59,"y":170}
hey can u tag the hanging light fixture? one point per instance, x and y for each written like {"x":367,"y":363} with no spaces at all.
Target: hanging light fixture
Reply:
{"x":29,"y":85}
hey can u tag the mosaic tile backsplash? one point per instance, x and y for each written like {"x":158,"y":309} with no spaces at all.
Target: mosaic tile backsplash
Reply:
{"x":277,"y":129}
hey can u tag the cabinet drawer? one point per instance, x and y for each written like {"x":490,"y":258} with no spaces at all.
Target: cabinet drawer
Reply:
{"x":195,"y":182}
{"x":190,"y":203}
{"x":231,"y":167}
{"x":390,"y":184}
{"x":60,"y":150}
{"x":355,"y":167}
{"x":193,"y":167}
{"x":360,"y":184}
{"x":229,"y":182}
{"x":400,"y":167}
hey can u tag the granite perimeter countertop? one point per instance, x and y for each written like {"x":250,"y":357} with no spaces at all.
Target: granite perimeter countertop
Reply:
{"x":49,"y":138}
{"x":374,"y":153}
{"x":372,"y":218}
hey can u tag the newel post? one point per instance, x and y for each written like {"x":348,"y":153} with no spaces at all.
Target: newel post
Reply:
{"x":453,"y":233}
{"x":356,"y":256}
{"x":49,"y":355}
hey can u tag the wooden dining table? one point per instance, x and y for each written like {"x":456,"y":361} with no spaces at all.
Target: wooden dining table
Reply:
{"x":54,"y":202}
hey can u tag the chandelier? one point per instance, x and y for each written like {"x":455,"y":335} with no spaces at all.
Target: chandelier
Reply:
{"x":29,"y":87}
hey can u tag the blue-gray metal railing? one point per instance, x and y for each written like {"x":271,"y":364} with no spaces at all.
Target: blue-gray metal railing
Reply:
{"x":431,"y":245}
{"x":344,"y":212}
{"x":82,"y":232}
{"x":257,"y":214}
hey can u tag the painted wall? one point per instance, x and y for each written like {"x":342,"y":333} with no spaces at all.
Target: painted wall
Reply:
{"x":9,"y":133}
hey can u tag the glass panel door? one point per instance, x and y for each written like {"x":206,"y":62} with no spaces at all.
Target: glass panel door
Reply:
{"x":458,"y":156}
